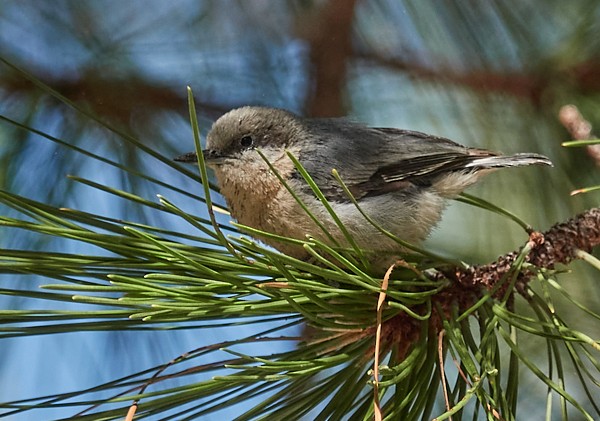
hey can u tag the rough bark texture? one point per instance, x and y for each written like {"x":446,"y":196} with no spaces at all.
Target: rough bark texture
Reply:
{"x":558,"y":245}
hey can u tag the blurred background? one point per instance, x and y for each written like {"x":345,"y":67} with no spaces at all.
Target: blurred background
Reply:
{"x":487,"y":74}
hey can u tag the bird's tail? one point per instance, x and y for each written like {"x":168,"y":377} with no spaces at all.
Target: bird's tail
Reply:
{"x":517,"y":160}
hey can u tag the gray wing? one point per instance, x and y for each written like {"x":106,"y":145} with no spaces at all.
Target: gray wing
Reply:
{"x":373,"y":161}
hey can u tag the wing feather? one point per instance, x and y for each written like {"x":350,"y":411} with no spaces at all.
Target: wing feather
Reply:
{"x":374,"y":161}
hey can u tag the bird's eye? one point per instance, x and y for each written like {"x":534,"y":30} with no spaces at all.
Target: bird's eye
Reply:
{"x":246,"y":141}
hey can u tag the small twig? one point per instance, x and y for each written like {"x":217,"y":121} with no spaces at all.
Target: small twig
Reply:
{"x":380,"y":302}
{"x":577,"y":126}
{"x":442,"y":371}
{"x":557,"y":245}
{"x":561,"y":244}
{"x":579,"y":129}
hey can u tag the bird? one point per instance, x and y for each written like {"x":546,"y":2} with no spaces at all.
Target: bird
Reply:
{"x":402,"y":179}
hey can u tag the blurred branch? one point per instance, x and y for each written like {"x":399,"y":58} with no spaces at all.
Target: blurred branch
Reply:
{"x":577,"y":126}
{"x":529,"y":86}
{"x":117,"y":99}
{"x":579,"y":129}
{"x":330,"y":46}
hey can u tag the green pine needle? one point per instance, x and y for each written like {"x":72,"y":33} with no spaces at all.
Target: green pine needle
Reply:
{"x":152,"y":278}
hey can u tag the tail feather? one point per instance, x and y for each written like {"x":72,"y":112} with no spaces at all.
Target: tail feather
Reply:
{"x":517,"y":160}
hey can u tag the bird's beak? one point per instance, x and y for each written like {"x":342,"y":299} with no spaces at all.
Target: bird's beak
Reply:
{"x":188,"y":158}
{"x":211,"y":157}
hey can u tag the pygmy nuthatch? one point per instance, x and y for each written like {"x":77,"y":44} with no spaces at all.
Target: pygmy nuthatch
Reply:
{"x":400,"y":178}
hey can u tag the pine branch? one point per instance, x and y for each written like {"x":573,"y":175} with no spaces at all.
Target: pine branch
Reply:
{"x":561,"y":244}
